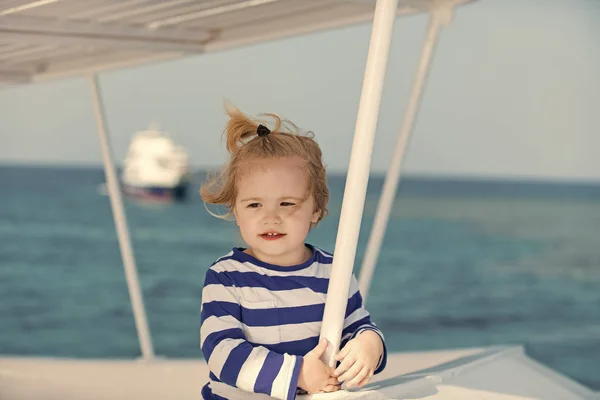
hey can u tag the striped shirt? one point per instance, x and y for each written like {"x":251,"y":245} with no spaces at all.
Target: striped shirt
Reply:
{"x":258,"y":320}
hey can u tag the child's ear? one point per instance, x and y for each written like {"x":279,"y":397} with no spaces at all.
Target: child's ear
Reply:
{"x":315,"y":217}
{"x":235,"y":216}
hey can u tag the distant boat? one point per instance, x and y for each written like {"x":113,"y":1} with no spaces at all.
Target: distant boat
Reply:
{"x":155,"y":167}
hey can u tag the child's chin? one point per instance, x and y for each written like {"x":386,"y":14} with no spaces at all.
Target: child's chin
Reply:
{"x":271,"y":249}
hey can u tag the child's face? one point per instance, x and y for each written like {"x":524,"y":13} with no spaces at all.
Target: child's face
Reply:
{"x":270,"y":211}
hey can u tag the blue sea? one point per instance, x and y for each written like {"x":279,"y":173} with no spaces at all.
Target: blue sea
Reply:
{"x":464,"y":263}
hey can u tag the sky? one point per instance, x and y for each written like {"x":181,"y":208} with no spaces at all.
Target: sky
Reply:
{"x":513,"y":92}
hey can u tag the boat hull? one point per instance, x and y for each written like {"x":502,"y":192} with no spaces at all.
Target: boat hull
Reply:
{"x":158,"y":193}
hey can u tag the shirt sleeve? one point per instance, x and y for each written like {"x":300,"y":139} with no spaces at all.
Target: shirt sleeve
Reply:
{"x":230,"y":357}
{"x":358,"y":320}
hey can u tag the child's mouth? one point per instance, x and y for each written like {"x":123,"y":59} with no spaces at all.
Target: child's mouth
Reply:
{"x":272,"y":235}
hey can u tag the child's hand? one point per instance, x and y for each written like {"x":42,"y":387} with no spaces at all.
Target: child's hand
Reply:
{"x":315,"y":375}
{"x":359,"y":357}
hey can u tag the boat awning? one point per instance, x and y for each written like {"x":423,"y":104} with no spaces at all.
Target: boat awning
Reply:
{"x":47,"y":39}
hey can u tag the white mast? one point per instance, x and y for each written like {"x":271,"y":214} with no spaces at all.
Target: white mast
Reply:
{"x":358,"y":176}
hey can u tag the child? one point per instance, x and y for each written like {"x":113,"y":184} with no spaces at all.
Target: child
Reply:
{"x":262,"y":306}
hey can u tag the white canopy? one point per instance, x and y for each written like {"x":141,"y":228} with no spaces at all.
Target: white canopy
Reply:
{"x":47,"y":39}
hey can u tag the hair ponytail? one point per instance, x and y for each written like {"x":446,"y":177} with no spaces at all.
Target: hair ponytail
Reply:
{"x":240,"y":129}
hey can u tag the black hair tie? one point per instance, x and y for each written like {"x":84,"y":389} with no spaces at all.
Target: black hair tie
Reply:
{"x":262,"y":130}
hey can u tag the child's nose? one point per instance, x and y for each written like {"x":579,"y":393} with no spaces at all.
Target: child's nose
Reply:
{"x":272,"y":218}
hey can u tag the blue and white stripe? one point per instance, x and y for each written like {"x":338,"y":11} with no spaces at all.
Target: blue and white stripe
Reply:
{"x":258,"y":320}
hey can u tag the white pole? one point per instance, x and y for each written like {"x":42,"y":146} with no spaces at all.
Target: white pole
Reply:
{"x":358,"y":176}
{"x":120,"y":219}
{"x":440,"y":15}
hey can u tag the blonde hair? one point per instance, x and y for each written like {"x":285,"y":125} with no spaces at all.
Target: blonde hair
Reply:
{"x":244,"y":144}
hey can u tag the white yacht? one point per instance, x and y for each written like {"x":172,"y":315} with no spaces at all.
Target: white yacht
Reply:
{"x":155,"y":167}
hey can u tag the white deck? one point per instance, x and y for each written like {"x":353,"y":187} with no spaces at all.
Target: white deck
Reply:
{"x":493,"y":374}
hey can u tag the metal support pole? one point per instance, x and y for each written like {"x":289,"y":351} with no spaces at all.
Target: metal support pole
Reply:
{"x":439,"y":16}
{"x":358,"y":176}
{"x":116,"y":202}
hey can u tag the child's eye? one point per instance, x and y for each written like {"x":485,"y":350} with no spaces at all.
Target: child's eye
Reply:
{"x":287,"y":204}
{"x":253,"y":205}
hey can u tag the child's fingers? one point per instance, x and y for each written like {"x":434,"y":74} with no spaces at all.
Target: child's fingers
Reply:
{"x":331,"y":371}
{"x":343,"y":353}
{"x":319,"y":349}
{"x":367,"y":379}
{"x":351,"y":373}
{"x":331,"y":388}
{"x":359,"y":377}
{"x":332,"y":381}
{"x":344,"y":365}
